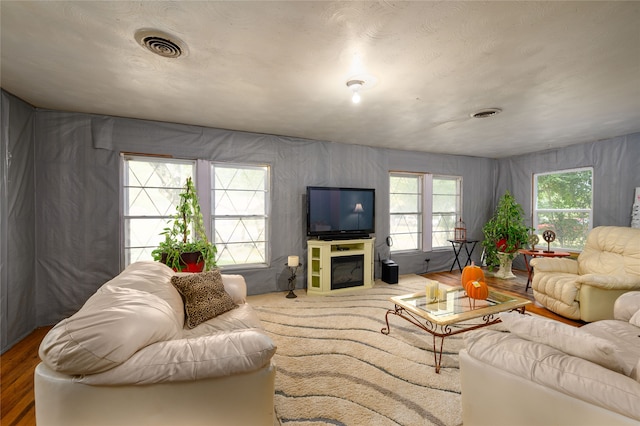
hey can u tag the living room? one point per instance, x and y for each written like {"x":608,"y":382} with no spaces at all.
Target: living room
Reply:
{"x":61,"y":191}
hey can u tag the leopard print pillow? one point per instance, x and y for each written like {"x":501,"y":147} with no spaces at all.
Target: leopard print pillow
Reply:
{"x":204,"y":296}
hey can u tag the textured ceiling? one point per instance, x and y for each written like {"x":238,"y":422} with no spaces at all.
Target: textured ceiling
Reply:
{"x":563,"y":72}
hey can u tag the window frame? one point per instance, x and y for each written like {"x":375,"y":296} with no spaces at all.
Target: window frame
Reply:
{"x":124,"y":194}
{"x":534,"y":201}
{"x":266,"y":216}
{"x":204,"y":178}
{"x":458,"y":210}
{"x":420,"y":177}
{"x":426,"y":194}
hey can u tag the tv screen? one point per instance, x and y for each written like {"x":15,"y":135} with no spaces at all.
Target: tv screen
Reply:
{"x":340,"y":212}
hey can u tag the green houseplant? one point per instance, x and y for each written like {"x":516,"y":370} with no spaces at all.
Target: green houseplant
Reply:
{"x":186,"y":246}
{"x":505,"y":232}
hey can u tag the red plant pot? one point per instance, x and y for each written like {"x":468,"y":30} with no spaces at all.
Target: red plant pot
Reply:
{"x":190,"y":262}
{"x":502,"y":246}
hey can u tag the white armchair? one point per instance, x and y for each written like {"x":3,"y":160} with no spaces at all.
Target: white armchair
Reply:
{"x":586,"y":289}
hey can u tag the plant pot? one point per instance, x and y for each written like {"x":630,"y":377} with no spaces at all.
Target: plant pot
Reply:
{"x":189,"y":262}
{"x":501,"y":245}
{"x":506,"y":259}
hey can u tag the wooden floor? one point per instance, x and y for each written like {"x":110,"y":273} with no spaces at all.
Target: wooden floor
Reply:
{"x":18,"y":363}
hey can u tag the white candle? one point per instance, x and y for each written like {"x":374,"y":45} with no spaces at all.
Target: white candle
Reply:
{"x":432,"y":291}
{"x":293,"y":261}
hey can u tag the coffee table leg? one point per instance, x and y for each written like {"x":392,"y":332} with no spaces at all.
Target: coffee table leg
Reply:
{"x":429,"y":328}
{"x":387,"y":330}
{"x":437,"y":355}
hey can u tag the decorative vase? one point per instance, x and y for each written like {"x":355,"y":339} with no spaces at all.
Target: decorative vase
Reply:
{"x":506,"y":259}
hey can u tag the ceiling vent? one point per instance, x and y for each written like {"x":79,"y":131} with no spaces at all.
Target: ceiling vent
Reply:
{"x":161,"y":43}
{"x":485,"y":113}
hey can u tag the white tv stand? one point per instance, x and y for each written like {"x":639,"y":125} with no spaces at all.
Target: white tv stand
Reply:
{"x":319,"y":260}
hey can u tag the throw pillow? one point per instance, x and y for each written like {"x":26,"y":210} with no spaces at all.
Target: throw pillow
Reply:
{"x":565,"y":338}
{"x":204,"y":296}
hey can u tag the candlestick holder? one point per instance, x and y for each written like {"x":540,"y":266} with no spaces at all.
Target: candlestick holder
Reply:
{"x":292,"y":280}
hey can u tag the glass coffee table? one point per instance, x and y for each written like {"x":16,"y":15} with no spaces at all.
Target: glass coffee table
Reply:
{"x":451,"y":313}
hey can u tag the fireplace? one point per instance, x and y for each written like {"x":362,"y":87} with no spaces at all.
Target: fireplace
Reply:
{"x":347,"y":271}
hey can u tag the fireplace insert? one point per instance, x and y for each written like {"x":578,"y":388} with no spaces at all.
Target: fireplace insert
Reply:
{"x":347,"y":271}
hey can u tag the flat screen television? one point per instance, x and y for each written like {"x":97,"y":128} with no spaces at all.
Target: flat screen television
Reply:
{"x":339,"y":213}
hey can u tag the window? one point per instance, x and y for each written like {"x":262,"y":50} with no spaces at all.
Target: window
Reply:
{"x":563,"y":203}
{"x":447,"y":208}
{"x":423,"y":210}
{"x":240,"y":197}
{"x":405,"y":210}
{"x":151,"y":189}
{"x":234,"y":197}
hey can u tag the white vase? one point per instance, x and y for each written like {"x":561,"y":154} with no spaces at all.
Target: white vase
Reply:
{"x":506,"y":259}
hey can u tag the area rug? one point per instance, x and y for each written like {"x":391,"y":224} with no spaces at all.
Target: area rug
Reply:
{"x":335,"y":367}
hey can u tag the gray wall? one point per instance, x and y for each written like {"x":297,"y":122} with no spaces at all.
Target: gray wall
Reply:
{"x":69,"y":167}
{"x":616,"y":174}
{"x":17,"y":221}
{"x":77,"y":158}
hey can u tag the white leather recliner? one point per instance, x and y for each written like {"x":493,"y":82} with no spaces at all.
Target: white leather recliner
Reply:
{"x":586,"y":289}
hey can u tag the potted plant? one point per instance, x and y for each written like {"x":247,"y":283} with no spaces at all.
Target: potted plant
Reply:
{"x":504,"y":234}
{"x":186,"y":247}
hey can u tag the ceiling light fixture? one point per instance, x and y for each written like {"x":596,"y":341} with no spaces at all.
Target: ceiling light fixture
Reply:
{"x":355,"y":86}
{"x":485,"y":113}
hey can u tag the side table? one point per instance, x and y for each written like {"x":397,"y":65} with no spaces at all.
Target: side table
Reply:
{"x":538,"y":253}
{"x":460,"y":244}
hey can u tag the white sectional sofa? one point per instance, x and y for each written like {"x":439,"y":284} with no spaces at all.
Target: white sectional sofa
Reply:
{"x":127,"y":358}
{"x":542,"y":372}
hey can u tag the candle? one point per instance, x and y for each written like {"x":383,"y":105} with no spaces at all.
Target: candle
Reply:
{"x":293,"y":261}
{"x":432,"y":291}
